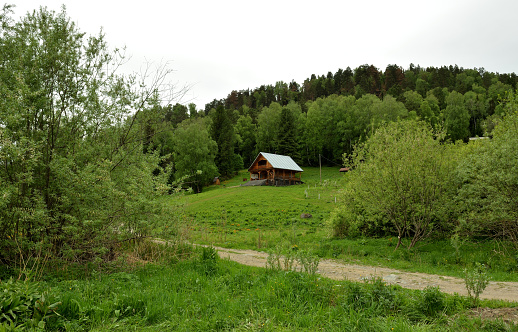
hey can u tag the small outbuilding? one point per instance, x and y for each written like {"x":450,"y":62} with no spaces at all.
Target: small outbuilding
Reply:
{"x":276,"y":169}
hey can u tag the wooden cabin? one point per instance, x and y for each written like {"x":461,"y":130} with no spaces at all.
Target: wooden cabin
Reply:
{"x":275,"y":170}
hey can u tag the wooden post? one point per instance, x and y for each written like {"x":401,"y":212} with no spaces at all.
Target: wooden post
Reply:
{"x":320,"y":163}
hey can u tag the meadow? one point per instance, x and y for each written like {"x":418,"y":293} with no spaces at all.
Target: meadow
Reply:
{"x":153,"y":287}
{"x":261,"y":218}
{"x":254,"y":217}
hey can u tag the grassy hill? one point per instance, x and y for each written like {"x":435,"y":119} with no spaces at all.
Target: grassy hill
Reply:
{"x":234,"y":216}
{"x":262,"y":218}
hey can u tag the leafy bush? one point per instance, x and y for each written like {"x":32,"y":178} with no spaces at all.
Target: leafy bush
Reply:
{"x":402,"y":175}
{"x":476,"y":280}
{"x":373,"y":294}
{"x":431,"y":301}
{"x":346,"y":223}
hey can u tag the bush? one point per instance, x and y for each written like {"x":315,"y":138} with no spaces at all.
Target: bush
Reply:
{"x":345,"y":223}
{"x":476,"y":280}
{"x":431,"y":301}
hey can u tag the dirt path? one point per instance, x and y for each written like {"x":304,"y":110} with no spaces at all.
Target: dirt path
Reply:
{"x":413,"y":280}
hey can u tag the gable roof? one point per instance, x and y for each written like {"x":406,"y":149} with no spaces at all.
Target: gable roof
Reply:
{"x":279,"y":161}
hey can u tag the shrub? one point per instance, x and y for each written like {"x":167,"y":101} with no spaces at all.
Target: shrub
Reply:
{"x":476,"y":280}
{"x":345,"y":223}
{"x":431,"y":301}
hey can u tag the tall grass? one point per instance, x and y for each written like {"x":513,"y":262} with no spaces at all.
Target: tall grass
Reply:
{"x":208,"y":294}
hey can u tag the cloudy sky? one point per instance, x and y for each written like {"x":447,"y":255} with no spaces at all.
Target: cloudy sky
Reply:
{"x":220,"y":46}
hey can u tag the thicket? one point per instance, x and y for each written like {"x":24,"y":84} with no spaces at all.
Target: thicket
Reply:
{"x":76,"y":177}
{"x":407,"y":181}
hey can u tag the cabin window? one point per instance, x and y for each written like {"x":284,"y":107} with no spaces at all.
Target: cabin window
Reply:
{"x":262,"y":163}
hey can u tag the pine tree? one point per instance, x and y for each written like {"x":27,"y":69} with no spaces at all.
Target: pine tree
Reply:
{"x":287,"y":135}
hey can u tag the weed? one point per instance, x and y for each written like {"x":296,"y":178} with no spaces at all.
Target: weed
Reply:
{"x":208,"y":260}
{"x":281,"y":258}
{"x":457,"y":243}
{"x":476,"y":280}
{"x":308,"y":261}
{"x":431,"y":301}
{"x":23,"y":305}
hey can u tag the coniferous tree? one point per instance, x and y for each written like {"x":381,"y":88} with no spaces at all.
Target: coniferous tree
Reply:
{"x":223,"y":133}
{"x":287,"y":136}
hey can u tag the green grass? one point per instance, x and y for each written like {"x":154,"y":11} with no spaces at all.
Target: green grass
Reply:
{"x":241,"y":217}
{"x":208,"y":294}
{"x":431,"y":256}
{"x":262,"y":217}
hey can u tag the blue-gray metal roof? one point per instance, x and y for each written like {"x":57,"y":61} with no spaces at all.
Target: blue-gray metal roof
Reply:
{"x":280,"y":161}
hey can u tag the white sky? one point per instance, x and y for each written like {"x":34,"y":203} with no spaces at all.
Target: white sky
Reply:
{"x":225,"y":45}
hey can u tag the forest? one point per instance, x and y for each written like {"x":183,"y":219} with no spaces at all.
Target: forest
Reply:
{"x":329,"y":115}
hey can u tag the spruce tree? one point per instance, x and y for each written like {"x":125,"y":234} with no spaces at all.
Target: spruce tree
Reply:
{"x":287,"y":135}
{"x":223,"y":133}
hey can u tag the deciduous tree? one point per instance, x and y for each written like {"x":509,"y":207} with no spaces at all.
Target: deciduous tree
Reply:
{"x":75,"y":180}
{"x":194,"y":153}
{"x":402,"y":175}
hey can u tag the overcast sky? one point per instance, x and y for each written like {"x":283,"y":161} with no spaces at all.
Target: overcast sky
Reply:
{"x":220,"y":46}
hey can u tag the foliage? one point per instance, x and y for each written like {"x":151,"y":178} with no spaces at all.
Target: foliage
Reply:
{"x":24,"y":305}
{"x":194,"y":153}
{"x":456,"y":117}
{"x":401,"y":174}
{"x":208,"y":260}
{"x":75,"y":180}
{"x":488,"y":182}
{"x":464,"y":101}
{"x":183,"y":297}
{"x":289,"y":258}
{"x":222,"y":132}
{"x":287,"y":135}
{"x":246,"y":136}
{"x":476,"y":280}
{"x":308,"y":261}
{"x":268,"y":128}
{"x":431,"y":301}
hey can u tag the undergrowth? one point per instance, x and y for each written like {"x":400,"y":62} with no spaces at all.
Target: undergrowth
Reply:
{"x":205,"y":293}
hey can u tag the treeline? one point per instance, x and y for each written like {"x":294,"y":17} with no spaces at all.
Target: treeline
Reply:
{"x":328,"y":115}
{"x":367,"y":79}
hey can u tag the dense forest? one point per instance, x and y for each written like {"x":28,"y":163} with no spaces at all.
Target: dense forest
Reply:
{"x":328,"y":115}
